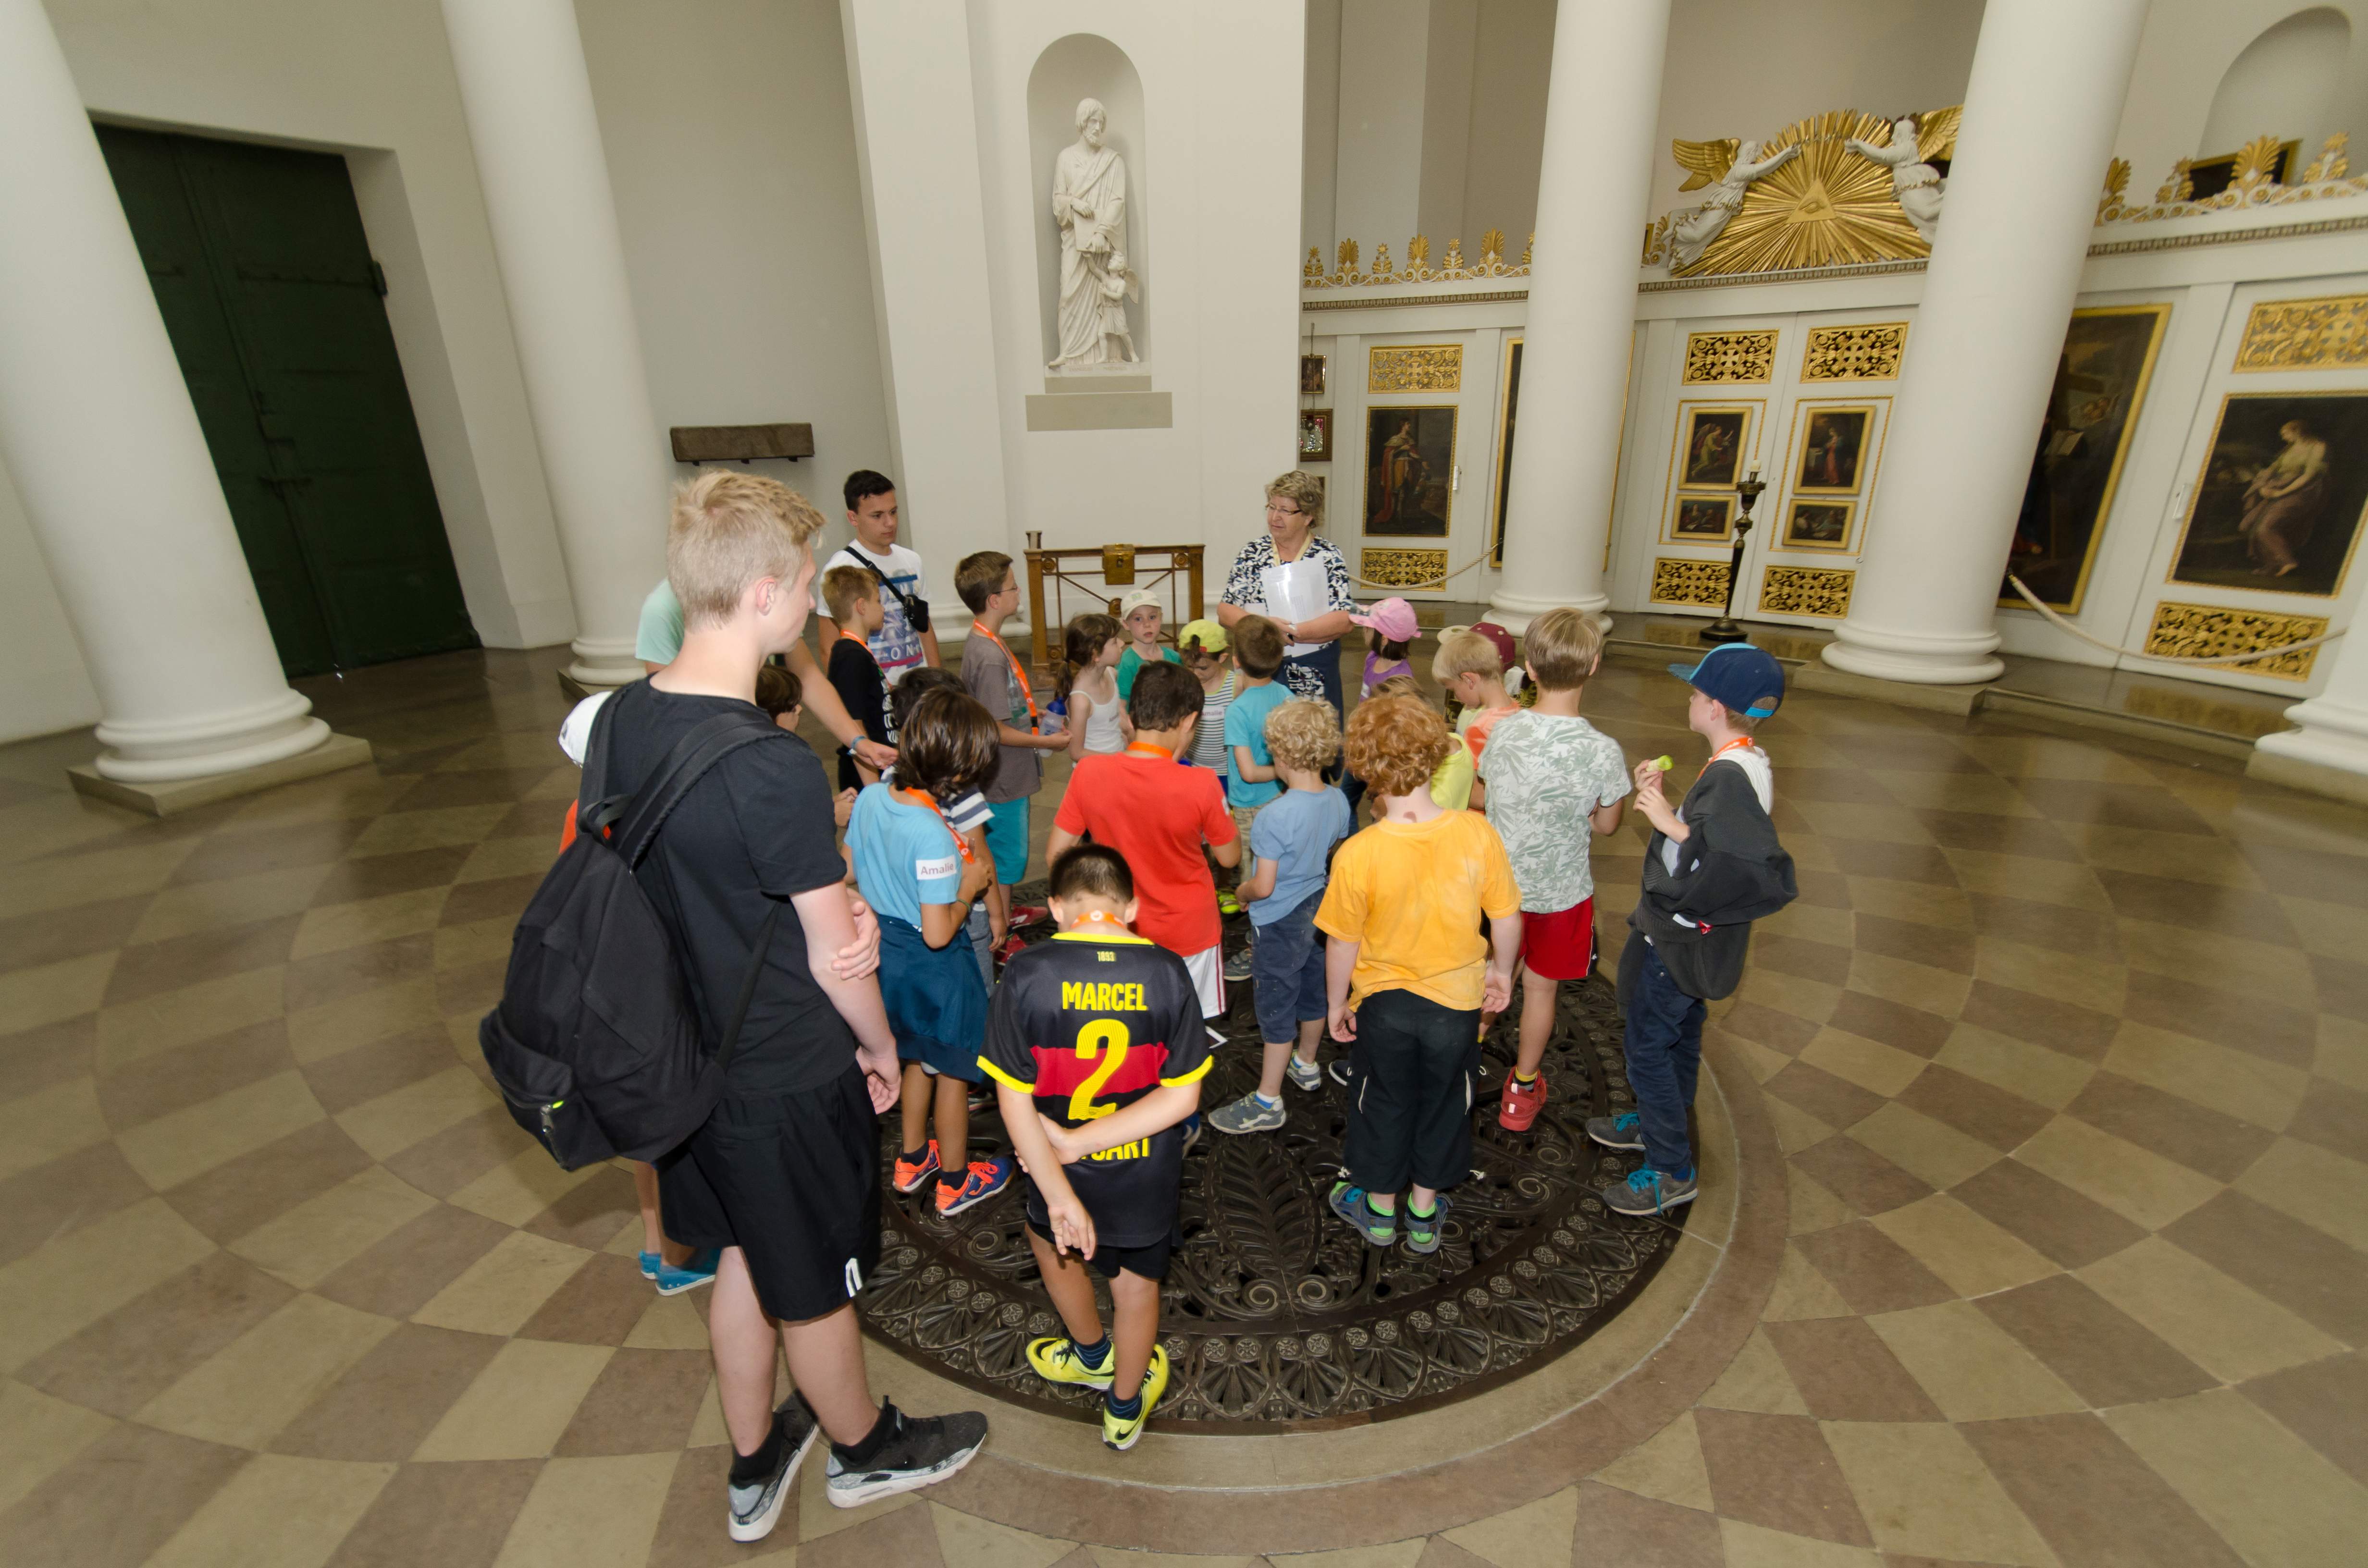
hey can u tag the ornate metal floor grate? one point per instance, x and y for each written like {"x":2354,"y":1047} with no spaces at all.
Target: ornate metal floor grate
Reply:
{"x":1276,"y":1315}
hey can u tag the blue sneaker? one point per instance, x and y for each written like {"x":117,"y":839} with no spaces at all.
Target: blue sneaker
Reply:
{"x":1191,"y":1132}
{"x":1649,"y":1191}
{"x":985,"y":1179}
{"x":1626,"y":1130}
{"x":700,"y":1270}
{"x":1349,"y":1204}
{"x":649,"y":1265}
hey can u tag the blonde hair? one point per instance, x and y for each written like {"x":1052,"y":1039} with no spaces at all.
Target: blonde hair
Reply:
{"x":1401,"y":685}
{"x":844,"y":587}
{"x":1465,"y":652}
{"x":728,"y":531}
{"x":1395,"y":743}
{"x":1302,"y":735}
{"x":1560,"y":649}
{"x":1304,"y":491}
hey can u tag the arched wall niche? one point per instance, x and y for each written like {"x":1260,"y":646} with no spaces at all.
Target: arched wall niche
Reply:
{"x":2283,"y":83}
{"x":1079,"y":66}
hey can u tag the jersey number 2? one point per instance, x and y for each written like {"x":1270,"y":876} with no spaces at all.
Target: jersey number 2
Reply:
{"x":1090,"y":1041}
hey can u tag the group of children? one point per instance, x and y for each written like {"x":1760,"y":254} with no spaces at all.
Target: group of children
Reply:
{"x":1402,"y":941}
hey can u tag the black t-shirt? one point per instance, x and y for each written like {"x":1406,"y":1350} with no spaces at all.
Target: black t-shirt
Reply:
{"x":757,"y":829}
{"x":855,"y":675}
{"x":1087,"y":1024}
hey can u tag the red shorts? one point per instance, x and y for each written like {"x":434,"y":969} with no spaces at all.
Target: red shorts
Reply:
{"x":1560,"y":945}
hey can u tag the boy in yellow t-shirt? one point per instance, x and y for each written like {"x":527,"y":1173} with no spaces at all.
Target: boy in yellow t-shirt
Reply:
{"x":1407,"y":974}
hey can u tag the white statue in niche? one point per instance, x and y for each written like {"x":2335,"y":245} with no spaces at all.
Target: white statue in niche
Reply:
{"x":1915,"y":184}
{"x":1089,"y":204}
{"x":1733,"y":165}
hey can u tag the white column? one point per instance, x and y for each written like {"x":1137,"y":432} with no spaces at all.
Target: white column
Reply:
{"x":97,"y":425}
{"x":528,"y":101}
{"x":1602,"y":104}
{"x":2041,"y":109}
{"x":2330,"y":753}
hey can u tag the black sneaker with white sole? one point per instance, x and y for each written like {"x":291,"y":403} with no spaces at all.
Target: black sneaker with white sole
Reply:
{"x":757,"y":1506}
{"x":1337,"y":1070}
{"x":920,"y":1451}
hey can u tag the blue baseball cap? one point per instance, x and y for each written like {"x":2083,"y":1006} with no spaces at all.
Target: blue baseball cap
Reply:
{"x":1739,"y":676}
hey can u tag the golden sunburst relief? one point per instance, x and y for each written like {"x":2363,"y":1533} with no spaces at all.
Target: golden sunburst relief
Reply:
{"x":1827,"y":208}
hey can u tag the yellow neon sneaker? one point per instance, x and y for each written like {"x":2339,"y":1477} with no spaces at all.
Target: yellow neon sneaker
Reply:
{"x":1055,"y":1360}
{"x":1121,"y":1432}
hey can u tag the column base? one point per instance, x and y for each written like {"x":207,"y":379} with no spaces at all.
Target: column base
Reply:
{"x":1515,"y":611}
{"x":2314,"y":778}
{"x":165,"y":797}
{"x":2328,"y":755}
{"x":1969,"y":659}
{"x":1957,"y":699}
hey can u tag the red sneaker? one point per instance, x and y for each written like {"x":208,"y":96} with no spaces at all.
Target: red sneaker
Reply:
{"x":1029,"y":914}
{"x":911,"y":1173}
{"x":1013,"y":945}
{"x":1519,"y":1111}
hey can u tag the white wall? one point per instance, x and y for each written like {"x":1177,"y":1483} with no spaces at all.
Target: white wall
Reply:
{"x":2285,"y":82}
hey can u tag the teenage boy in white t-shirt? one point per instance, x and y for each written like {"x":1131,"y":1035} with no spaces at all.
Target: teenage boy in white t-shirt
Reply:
{"x":905,"y":593}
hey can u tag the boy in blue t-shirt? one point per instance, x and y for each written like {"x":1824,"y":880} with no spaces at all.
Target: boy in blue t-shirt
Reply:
{"x":1258,"y":654}
{"x":1293,"y":840}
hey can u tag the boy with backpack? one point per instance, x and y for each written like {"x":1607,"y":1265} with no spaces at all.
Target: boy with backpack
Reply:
{"x":745,"y":879}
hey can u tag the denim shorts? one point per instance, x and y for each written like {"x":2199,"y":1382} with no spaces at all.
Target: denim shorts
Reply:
{"x":1287,"y":969}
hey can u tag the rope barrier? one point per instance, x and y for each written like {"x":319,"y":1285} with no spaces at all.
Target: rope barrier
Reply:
{"x":2208,"y":661}
{"x":1425,"y":587}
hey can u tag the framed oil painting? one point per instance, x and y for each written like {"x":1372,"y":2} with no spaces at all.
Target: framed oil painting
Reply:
{"x":1833,"y":449}
{"x":2278,"y":507}
{"x":1505,"y":448}
{"x":2084,"y":437}
{"x":1409,"y":471}
{"x":1818,"y":524}
{"x":1311,"y":375}
{"x":1315,"y":435}
{"x":1712,"y":445}
{"x":1703,"y":519}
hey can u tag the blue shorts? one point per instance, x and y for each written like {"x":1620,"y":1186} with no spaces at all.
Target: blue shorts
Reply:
{"x":1006,"y":839}
{"x":1287,"y":970}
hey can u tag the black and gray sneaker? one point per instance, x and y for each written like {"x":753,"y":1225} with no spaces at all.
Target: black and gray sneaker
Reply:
{"x":757,"y":1506}
{"x":921,"y":1451}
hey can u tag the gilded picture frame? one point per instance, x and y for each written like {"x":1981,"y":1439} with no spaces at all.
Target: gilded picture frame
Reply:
{"x":1409,"y":471}
{"x":1713,"y":442}
{"x":1833,"y":447}
{"x":2093,"y":407}
{"x":1311,"y":375}
{"x":1510,"y":404}
{"x":1702,"y":520}
{"x":2240,"y":533}
{"x":1820,"y":522}
{"x":1315,"y":435}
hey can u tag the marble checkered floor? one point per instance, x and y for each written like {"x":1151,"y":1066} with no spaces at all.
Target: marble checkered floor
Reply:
{"x":2060,"y":1068}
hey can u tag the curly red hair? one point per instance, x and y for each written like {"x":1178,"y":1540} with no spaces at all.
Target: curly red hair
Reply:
{"x":1395,"y":743}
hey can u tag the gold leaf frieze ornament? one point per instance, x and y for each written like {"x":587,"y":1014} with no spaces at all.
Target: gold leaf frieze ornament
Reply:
{"x":1492,"y":247}
{"x":1822,"y":591}
{"x":1426,"y":366}
{"x":1805,"y":199}
{"x":2328,"y":333}
{"x":1452,"y":267}
{"x":1403,"y":568}
{"x":1866,"y":353}
{"x":1679,"y":582}
{"x":1380,"y":270}
{"x":1417,"y":254}
{"x":1312,"y":275}
{"x":1718,"y":356}
{"x":2202,"y":631}
{"x":2254,"y":183}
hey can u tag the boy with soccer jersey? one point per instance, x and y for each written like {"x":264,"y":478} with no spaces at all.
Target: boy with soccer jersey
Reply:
{"x":1096,"y":1049}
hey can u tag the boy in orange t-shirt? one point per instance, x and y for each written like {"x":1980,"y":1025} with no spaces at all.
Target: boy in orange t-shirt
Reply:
{"x":1158,"y":814}
{"x":1408,"y":973}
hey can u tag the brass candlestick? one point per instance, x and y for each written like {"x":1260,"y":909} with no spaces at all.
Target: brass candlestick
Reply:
{"x":1723,"y":629}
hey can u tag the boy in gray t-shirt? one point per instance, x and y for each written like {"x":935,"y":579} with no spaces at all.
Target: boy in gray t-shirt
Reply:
{"x":1551,"y":777}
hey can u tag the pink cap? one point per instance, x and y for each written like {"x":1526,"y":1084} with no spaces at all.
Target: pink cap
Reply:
{"x":1502,"y":638}
{"x":1394,"y":619}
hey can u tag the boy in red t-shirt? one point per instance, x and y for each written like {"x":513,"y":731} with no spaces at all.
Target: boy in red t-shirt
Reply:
{"x":1158,"y":814}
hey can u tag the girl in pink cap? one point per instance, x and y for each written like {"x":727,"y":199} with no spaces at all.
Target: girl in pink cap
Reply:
{"x":1390,"y":627}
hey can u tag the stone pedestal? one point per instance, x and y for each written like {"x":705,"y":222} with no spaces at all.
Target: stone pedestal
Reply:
{"x":2328,"y":755}
{"x":336,"y":752}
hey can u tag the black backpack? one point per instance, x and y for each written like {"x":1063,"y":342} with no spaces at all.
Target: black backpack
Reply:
{"x":596,"y":1044}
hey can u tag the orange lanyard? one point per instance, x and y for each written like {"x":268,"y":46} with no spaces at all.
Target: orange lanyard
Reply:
{"x":847,"y":636}
{"x":1017,"y":674}
{"x":1096,"y":917}
{"x":1738,"y":741}
{"x":1144,"y":748}
{"x":922,"y":798}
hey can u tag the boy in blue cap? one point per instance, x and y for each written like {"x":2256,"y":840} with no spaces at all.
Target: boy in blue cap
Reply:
{"x":1714,"y":867}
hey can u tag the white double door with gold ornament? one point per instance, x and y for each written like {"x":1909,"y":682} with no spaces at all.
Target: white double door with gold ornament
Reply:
{"x":1415,"y":480}
{"x":1802,"y":399}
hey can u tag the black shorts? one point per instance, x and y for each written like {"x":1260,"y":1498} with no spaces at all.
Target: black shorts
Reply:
{"x":793,"y":1181}
{"x":1149,"y":1262}
{"x":1414,"y":1073}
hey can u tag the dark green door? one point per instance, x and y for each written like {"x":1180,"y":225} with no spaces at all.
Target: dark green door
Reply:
{"x":259,"y":263}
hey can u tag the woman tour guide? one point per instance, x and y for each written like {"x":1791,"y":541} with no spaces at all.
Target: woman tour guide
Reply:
{"x":1299,"y":581}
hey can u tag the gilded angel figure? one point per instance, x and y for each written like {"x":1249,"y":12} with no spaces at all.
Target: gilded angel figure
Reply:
{"x":1915,"y":184}
{"x":1728,"y":167}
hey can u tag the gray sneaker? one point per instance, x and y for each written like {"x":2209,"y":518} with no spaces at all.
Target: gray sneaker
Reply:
{"x":757,"y":1506}
{"x":1422,"y":1230}
{"x":1626,"y":1130}
{"x":1302,"y":1075}
{"x":921,"y":1451}
{"x":1238,"y":965}
{"x":1648,"y":1191}
{"x":1246,"y":1114}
